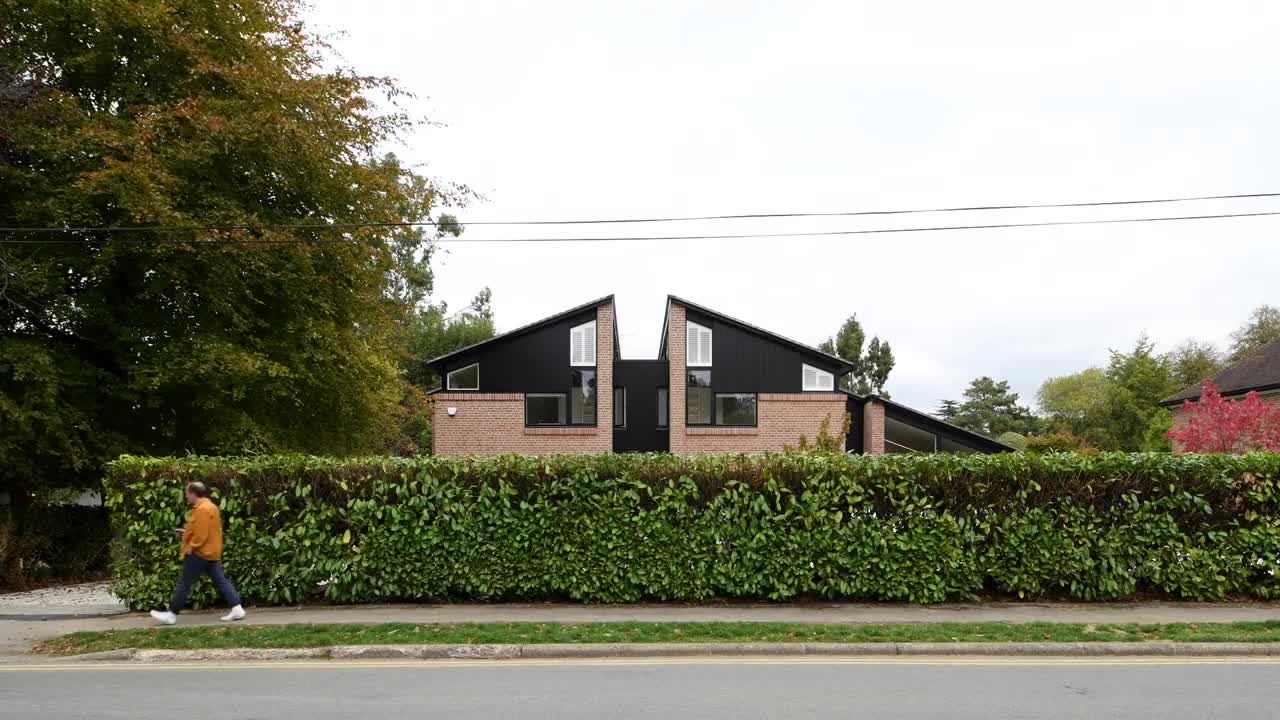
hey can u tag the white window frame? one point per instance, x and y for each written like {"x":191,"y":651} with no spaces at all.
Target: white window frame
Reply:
{"x":818,"y":376}
{"x":588,"y":331}
{"x":448,"y":379}
{"x":691,"y":330}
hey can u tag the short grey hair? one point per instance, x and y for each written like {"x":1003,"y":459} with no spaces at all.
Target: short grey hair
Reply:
{"x":199,"y":489}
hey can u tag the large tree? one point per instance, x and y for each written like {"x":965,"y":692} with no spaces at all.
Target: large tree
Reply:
{"x":1193,"y":362}
{"x":990,"y":407}
{"x":193,"y":113}
{"x":871,"y":367}
{"x":434,"y":332}
{"x":1077,"y":404}
{"x":1262,"y":327}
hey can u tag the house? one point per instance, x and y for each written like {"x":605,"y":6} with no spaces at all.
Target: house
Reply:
{"x":718,"y":384}
{"x":1259,"y":370}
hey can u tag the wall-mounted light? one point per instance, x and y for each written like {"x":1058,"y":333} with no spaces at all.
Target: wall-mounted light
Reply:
{"x":452,"y":411}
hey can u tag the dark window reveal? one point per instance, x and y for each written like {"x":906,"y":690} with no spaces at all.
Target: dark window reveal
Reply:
{"x":544,"y":409}
{"x":663,"y":412}
{"x":698,"y":397}
{"x":582,"y":398}
{"x":619,"y":407}
{"x":736,"y":409}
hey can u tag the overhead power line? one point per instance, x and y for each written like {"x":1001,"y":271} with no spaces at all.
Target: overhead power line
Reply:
{"x":605,"y":221}
{"x":736,"y":236}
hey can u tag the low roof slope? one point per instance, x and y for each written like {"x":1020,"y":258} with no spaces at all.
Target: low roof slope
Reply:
{"x":1259,"y":370}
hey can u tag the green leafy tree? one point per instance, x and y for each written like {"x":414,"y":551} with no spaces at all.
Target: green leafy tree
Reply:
{"x":1077,"y":404}
{"x":871,"y":367}
{"x":180,"y":113}
{"x":433,"y":332}
{"x":1193,"y":362}
{"x":1136,"y":382}
{"x":1262,"y":328}
{"x":991,"y":408}
{"x":948,"y":410}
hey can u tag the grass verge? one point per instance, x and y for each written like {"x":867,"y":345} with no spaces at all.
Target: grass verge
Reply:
{"x":297,"y":636}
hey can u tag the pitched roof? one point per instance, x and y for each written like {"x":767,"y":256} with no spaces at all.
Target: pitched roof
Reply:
{"x":526,"y":328}
{"x":1259,"y":370}
{"x":845,"y":365}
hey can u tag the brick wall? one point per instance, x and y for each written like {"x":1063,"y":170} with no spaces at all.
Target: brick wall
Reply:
{"x":1180,"y":414}
{"x":873,"y":427}
{"x":781,"y":418}
{"x":493,"y":423}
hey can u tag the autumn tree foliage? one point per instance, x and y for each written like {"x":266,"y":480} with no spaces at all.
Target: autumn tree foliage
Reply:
{"x":1215,"y":424}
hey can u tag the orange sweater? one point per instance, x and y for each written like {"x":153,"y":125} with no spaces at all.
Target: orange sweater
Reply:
{"x":203,"y":534}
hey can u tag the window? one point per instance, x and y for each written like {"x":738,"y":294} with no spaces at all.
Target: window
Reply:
{"x":582,"y":345}
{"x":899,"y":437}
{"x":736,"y":409}
{"x":663,"y":412}
{"x":544,"y":409}
{"x":697,"y":398}
{"x":619,"y":407}
{"x":582,"y":397}
{"x":817,"y":380}
{"x":467,"y":378}
{"x":697,"y":345}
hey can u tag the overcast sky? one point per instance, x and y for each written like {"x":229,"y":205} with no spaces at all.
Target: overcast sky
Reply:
{"x":566,"y":110}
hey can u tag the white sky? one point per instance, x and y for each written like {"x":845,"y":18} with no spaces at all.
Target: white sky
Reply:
{"x":560,"y":110}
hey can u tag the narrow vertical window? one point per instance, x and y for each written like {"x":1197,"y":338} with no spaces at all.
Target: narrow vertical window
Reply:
{"x":619,"y":407}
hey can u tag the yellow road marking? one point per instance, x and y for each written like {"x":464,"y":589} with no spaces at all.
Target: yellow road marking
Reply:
{"x":972,"y":661}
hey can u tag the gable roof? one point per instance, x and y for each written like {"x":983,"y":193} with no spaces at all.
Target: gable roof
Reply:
{"x":1259,"y":370}
{"x":845,"y":365}
{"x":607,"y":299}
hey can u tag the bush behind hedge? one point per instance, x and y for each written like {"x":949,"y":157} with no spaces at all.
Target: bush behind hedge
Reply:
{"x":616,"y":528}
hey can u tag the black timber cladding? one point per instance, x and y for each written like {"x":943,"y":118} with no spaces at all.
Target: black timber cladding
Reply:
{"x":641,"y":378}
{"x":746,"y":361}
{"x":533,"y":360}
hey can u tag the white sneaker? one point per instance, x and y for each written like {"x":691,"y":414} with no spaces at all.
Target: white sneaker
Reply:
{"x":164,"y":617}
{"x":237,"y":613}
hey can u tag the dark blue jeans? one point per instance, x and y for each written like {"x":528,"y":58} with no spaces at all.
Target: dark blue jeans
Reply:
{"x":193,"y":566}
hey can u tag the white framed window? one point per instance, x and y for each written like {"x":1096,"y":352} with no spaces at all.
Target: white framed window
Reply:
{"x":582,"y":345}
{"x":697,"y":345}
{"x":817,"y":380}
{"x":465,"y":378}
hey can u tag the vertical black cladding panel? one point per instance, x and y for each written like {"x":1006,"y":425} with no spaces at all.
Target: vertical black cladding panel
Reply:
{"x":853,"y":442}
{"x":537,"y":361}
{"x":745,"y":361}
{"x":641,"y":378}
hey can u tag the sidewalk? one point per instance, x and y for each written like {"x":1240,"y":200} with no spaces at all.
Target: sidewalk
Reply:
{"x":16,"y":636}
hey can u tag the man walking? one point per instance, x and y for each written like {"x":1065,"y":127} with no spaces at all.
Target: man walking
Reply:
{"x":201,"y":554}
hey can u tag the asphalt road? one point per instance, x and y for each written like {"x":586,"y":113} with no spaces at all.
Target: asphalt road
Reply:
{"x":711,"y":689}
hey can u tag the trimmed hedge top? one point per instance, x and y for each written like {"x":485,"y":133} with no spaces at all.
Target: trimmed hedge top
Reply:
{"x":922,"y":528}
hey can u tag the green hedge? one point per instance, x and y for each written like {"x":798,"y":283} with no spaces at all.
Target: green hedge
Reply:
{"x":633,"y":527}
{"x":62,"y":541}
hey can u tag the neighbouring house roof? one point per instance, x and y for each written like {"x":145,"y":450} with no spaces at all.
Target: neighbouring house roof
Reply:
{"x":526,"y":329}
{"x":845,"y":365}
{"x":1259,"y":370}
{"x":930,"y":422}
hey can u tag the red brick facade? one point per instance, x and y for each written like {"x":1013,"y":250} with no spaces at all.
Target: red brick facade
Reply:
{"x":493,"y":423}
{"x":781,"y":418}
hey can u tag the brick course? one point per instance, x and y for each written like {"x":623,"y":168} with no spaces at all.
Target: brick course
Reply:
{"x":873,"y":427}
{"x":781,"y":418}
{"x":493,"y":423}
